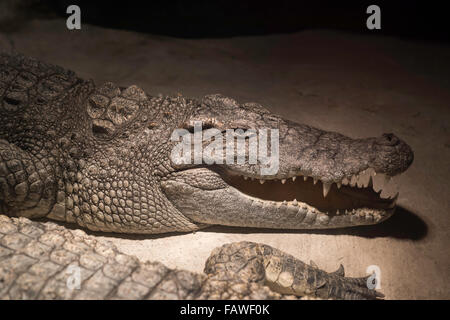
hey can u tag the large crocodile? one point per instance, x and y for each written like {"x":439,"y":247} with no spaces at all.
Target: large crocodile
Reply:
{"x":100,"y":157}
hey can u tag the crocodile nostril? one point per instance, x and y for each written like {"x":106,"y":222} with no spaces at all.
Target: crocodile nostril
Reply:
{"x":388,"y":139}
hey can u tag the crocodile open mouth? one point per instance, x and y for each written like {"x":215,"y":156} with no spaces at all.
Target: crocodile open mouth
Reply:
{"x":361,"y":192}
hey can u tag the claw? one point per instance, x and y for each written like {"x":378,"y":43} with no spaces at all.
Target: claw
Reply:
{"x":340,"y":271}
{"x":321,"y":284}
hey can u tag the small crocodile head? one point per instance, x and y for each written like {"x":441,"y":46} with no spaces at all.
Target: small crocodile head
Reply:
{"x":321,"y":179}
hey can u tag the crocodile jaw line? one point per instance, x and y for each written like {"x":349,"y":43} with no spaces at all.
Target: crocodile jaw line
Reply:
{"x":363,"y":198}
{"x":295,"y":202}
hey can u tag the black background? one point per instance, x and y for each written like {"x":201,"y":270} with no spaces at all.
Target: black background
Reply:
{"x":420,"y":20}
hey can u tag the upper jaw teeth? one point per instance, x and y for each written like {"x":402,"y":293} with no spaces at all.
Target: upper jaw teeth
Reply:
{"x":380,"y":183}
{"x":326,"y":188}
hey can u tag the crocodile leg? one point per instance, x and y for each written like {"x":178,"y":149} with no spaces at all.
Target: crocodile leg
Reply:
{"x":283,"y":273}
{"x":26,"y":187}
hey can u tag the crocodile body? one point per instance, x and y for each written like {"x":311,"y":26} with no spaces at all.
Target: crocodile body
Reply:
{"x":99,"y":157}
{"x":37,"y":261}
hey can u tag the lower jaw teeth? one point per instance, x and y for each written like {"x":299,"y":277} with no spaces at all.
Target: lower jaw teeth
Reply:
{"x":368,"y":214}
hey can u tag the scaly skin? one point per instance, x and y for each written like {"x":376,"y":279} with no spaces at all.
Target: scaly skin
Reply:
{"x":37,"y":262}
{"x":100,"y":157}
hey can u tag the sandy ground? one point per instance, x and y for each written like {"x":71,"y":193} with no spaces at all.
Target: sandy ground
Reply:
{"x":357,"y":85}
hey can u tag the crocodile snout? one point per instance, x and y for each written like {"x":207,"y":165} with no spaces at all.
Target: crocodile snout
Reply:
{"x":393,"y":155}
{"x":388,"y":139}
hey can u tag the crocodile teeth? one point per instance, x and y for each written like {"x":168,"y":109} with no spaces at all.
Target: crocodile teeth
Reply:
{"x":364,"y":178}
{"x":387,"y":179}
{"x":382,"y":185}
{"x":353,"y":181}
{"x":370,"y":185}
{"x":326,"y":189}
{"x":394,"y":198}
{"x":394,"y":201}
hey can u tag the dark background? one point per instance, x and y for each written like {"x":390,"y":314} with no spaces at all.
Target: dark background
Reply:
{"x":333,"y":79}
{"x":420,"y":20}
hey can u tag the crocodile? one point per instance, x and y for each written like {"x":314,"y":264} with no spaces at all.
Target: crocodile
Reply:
{"x":77,"y":155}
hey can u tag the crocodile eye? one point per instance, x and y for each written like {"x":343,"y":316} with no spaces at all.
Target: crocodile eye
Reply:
{"x":204,"y":126}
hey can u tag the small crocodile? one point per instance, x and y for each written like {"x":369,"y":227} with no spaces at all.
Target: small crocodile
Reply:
{"x":99,"y":157}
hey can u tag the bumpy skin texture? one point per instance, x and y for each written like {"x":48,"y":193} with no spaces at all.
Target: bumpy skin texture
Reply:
{"x":53,"y":165}
{"x":37,"y":261}
{"x":99,"y":157}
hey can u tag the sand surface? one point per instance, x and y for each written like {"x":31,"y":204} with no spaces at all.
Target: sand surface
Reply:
{"x":358,"y":85}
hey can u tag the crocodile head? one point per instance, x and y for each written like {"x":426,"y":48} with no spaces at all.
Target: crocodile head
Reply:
{"x":102,"y":157}
{"x":324,"y":179}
